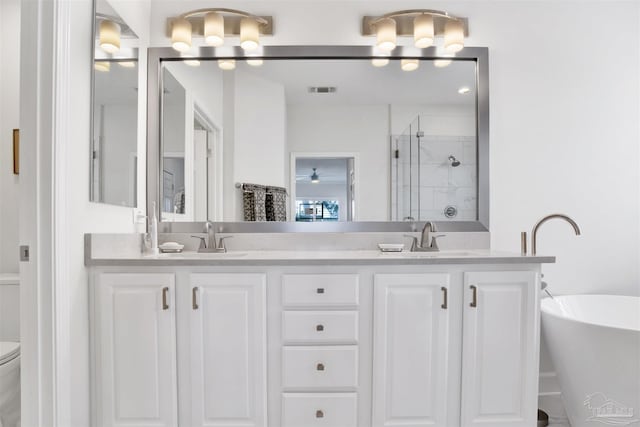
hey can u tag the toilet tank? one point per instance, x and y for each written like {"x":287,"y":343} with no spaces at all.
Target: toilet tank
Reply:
{"x":9,"y":307}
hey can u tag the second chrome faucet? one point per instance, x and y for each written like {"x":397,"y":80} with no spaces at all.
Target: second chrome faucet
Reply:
{"x":428,"y":242}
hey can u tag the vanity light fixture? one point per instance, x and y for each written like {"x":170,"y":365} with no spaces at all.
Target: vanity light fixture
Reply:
{"x":424,"y":25}
{"x":441,"y":63}
{"x":127,"y":64}
{"x":192,"y":62}
{"x":255,"y":62}
{"x":314,"y":177}
{"x":379,"y":62}
{"x":109,"y":36}
{"x":463,"y":90}
{"x":409,"y":64}
{"x":227,"y":64}
{"x":102,"y":66}
{"x":214,"y":24}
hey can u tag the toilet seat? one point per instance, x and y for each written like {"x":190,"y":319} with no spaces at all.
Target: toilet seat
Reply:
{"x":8,"y":351}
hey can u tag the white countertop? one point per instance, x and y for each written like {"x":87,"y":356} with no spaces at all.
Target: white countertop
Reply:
{"x":350,"y":257}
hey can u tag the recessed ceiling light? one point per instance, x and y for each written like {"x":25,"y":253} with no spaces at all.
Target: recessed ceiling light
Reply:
{"x":463,"y":90}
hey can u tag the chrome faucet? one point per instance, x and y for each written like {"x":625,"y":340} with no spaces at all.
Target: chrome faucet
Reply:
{"x":209,"y":243}
{"x":428,"y":242}
{"x":534,"y":233}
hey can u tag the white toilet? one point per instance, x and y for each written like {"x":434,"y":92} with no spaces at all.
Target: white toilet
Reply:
{"x":9,"y":350}
{"x":9,"y":383}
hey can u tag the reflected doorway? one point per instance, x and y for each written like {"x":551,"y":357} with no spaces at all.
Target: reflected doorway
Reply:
{"x":323,"y":187}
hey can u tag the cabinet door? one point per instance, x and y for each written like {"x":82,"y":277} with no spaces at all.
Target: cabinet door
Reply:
{"x":135,"y":342}
{"x":411,"y":373}
{"x":228,"y":351}
{"x":500,"y":349}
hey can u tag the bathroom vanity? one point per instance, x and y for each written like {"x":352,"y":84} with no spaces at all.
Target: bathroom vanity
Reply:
{"x":297,"y":339}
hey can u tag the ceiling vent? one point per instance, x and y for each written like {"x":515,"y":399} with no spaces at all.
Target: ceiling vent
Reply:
{"x":322,"y":89}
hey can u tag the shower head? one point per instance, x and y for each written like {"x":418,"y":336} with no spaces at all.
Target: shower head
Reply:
{"x":454,"y":162}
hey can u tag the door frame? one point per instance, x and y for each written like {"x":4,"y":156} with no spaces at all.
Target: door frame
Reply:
{"x":295,"y":155}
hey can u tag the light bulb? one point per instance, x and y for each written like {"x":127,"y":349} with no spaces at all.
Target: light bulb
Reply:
{"x":227,"y":64}
{"x":249,"y":34}
{"x":109,"y":36}
{"x":386,"y":34}
{"x":409,"y":64}
{"x":256,"y":62}
{"x":192,"y":62}
{"x":441,"y":63}
{"x":453,"y":36}
{"x":214,"y":29}
{"x":102,"y":66}
{"x":379,"y":62}
{"x":181,"y":35}
{"x":127,"y":64}
{"x":423,"y":31}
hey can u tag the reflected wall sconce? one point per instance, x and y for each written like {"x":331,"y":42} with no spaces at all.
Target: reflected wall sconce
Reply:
{"x":110,"y":30}
{"x":214,"y":24}
{"x":423,"y":25}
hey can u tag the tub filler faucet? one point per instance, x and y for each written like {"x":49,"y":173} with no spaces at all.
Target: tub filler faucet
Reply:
{"x":534,"y":233}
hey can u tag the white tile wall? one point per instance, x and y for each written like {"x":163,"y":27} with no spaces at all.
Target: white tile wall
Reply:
{"x":440,"y":185}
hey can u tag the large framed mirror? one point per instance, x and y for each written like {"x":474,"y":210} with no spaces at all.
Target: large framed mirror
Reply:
{"x":318,"y":138}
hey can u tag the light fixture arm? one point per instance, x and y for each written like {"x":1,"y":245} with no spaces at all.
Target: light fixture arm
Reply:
{"x":201,"y":12}
{"x":415,"y":12}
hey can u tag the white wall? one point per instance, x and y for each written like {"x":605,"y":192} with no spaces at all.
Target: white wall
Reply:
{"x":259,"y":136}
{"x":84,"y":216}
{"x":9,"y":120}
{"x":361,"y":130}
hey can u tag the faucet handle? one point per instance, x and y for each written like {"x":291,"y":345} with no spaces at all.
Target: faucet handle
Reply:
{"x":414,"y":241}
{"x":221,"y":243}
{"x":434,"y":242}
{"x":203,"y":242}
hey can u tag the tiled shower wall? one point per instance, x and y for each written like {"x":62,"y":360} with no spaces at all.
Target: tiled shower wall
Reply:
{"x":424,"y":183}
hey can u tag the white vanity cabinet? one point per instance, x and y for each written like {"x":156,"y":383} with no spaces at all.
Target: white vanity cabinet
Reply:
{"x":412,"y":373}
{"x":500,"y":349}
{"x":134,"y":359}
{"x":228,"y":344}
{"x":136,"y":371}
{"x":362,"y":345}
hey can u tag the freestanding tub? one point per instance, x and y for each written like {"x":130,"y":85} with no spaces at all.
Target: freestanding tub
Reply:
{"x":594,"y":343}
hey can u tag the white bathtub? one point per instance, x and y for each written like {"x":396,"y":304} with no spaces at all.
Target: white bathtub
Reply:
{"x":594,"y":343}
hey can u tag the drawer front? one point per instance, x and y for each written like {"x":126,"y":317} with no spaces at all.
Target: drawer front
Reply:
{"x":320,"y":290}
{"x":320,"y":368}
{"x":319,"y":409}
{"x":320,"y":327}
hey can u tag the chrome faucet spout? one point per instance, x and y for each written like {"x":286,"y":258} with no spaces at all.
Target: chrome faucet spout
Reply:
{"x":534,"y":233}
{"x":211,"y":235}
{"x":425,"y":239}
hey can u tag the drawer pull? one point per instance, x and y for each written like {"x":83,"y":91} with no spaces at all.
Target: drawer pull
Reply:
{"x":320,"y":290}
{"x":474,"y":296}
{"x":319,"y":328}
{"x":194,"y":298}
{"x":165,"y":305}
{"x":444,"y":298}
{"x":319,"y":414}
{"x":320,"y":367}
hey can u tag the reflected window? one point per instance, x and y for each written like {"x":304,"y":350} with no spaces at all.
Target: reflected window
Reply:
{"x":317,"y":210}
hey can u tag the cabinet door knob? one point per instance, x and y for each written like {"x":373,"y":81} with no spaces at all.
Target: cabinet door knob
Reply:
{"x":320,"y":290}
{"x":194,"y":298}
{"x":320,"y":367}
{"x":444,"y":298}
{"x":319,"y":414}
{"x":165,"y":304}
{"x":319,"y":328}
{"x":474,"y":296}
